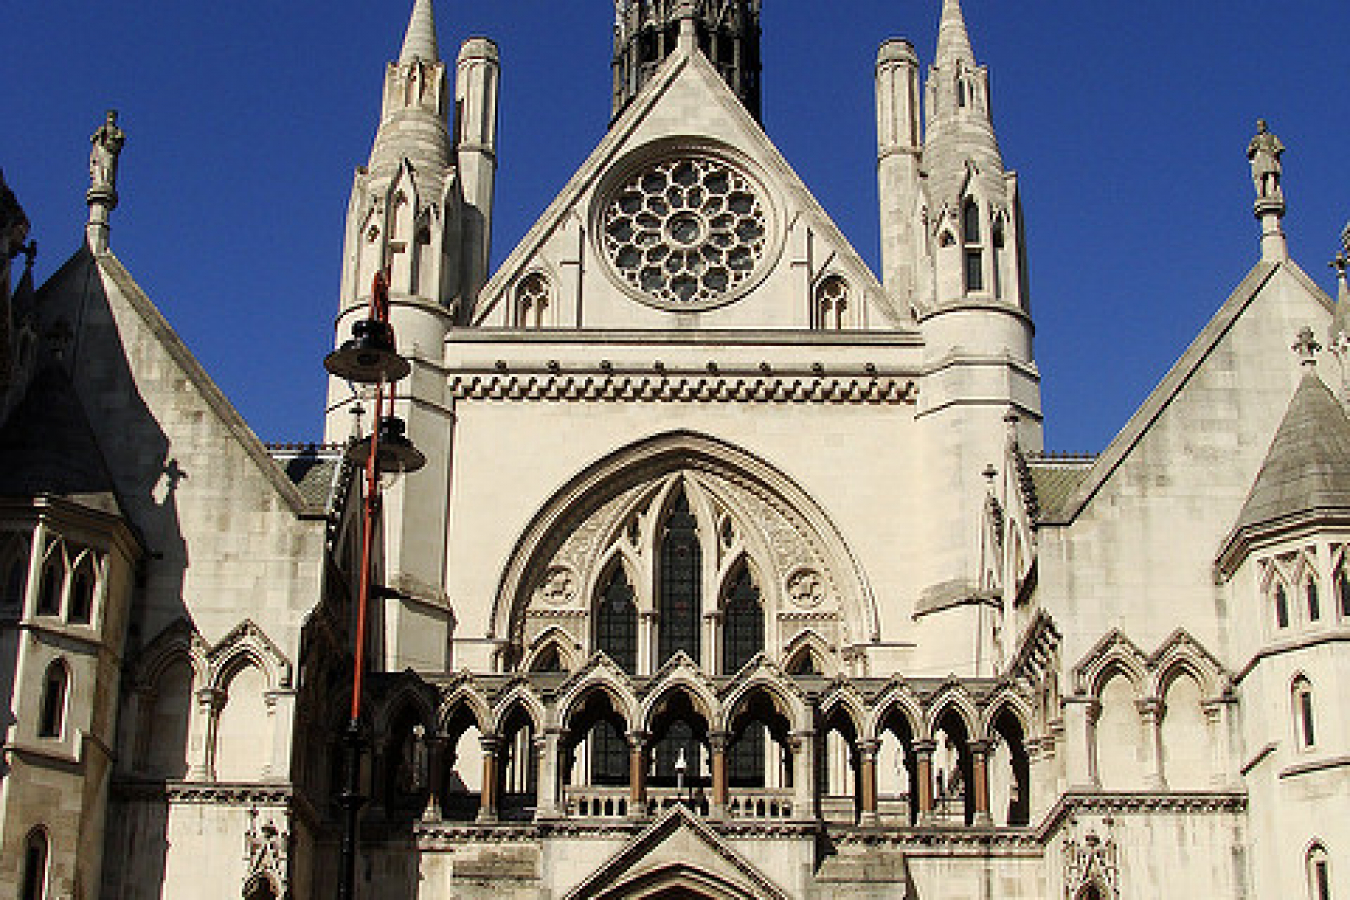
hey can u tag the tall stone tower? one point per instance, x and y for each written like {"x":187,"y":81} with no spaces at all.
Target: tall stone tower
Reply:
{"x":952,"y":251}
{"x":422,"y":209}
{"x":647,"y":31}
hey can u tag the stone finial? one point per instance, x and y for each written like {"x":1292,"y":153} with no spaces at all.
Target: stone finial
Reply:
{"x":1306,"y":346}
{"x":1264,"y":152}
{"x":1342,"y":266}
{"x":105,"y":149}
{"x":419,"y":41}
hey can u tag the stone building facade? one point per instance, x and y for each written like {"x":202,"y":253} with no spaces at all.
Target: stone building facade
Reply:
{"x":737,"y":569}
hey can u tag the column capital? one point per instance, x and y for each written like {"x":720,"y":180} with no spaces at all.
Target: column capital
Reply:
{"x":211,"y":698}
{"x":869,"y":748}
{"x":981,"y":748}
{"x":490,"y":743}
{"x":718,"y":741}
{"x":925,"y":748}
{"x":638,"y":740}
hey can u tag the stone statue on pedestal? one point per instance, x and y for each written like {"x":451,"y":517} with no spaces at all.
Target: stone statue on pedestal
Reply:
{"x":107,"y":145}
{"x":1264,"y":151}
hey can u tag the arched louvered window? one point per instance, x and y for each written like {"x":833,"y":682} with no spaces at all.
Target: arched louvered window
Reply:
{"x":35,"y":866}
{"x":679,"y":589}
{"x":742,"y":622}
{"x":616,"y":622}
{"x":52,"y":714}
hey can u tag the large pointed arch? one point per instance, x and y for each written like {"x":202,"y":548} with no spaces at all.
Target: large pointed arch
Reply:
{"x":659,"y":457}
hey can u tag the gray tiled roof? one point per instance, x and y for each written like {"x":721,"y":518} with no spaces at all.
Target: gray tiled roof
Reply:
{"x":1055,"y":480}
{"x":48,"y":447}
{"x":311,"y":468}
{"x":1308,"y":466}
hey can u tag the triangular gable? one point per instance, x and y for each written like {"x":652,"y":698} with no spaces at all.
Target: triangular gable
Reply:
{"x":116,"y":275}
{"x":685,"y":80}
{"x":677,"y":850}
{"x":1176,"y":379}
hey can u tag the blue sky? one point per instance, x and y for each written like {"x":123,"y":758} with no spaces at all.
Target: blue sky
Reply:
{"x":1127,"y":123}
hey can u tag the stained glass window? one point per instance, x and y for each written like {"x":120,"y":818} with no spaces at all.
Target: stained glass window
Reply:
{"x":742,"y":623}
{"x":616,"y":622}
{"x":679,"y":593}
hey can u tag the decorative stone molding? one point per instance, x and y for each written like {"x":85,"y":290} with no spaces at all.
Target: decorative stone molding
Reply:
{"x":662,"y":388}
{"x":1091,"y":858}
{"x":267,"y":846}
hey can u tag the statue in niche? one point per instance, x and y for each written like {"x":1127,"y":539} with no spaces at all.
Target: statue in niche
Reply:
{"x":106,"y":146}
{"x":1264,"y":152}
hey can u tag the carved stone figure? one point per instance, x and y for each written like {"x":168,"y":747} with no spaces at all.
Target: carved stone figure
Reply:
{"x":1264,"y":152}
{"x":107,"y":145}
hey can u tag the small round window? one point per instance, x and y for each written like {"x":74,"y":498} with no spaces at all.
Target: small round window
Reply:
{"x":686,"y":233}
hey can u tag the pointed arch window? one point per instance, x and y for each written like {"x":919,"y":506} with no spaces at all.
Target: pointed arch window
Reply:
{"x":1281,"y":607}
{"x":548,"y":661}
{"x":52,"y":714}
{"x":1319,"y":873}
{"x":742,"y":622}
{"x":680,"y":583}
{"x":53,"y":584}
{"x":82,"y":593}
{"x":1314,"y":601}
{"x":616,"y":622}
{"x":35,"y":866}
{"x":532,"y":301}
{"x":832,"y":303}
{"x":1305,"y":724}
{"x":971,"y":235}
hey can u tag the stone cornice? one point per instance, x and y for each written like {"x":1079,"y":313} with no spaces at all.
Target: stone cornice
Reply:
{"x":203,"y":793}
{"x":1141,"y":803}
{"x":687,"y":387}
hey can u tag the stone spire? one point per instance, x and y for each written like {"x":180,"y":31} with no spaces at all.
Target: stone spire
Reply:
{"x":953,"y":39}
{"x":420,"y":41}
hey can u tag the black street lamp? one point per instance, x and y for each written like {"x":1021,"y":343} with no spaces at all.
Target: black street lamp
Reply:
{"x":370,"y":357}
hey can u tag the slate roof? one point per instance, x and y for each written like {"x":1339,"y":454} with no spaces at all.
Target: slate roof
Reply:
{"x":312,"y":468}
{"x":1308,"y":466}
{"x":1055,"y":480}
{"x":48,"y":447}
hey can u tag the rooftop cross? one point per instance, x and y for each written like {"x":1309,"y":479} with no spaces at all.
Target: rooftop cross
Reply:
{"x":1306,"y":346}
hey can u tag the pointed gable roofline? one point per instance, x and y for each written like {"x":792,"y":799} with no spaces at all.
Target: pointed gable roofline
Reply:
{"x":1172,"y":383}
{"x":620,"y":140}
{"x":112,"y":269}
{"x":1306,"y":474}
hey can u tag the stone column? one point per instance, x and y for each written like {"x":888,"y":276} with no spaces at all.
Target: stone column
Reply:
{"x":646,"y":655}
{"x":979,"y":755}
{"x":436,"y":753}
{"x":210,"y":702}
{"x":1151,"y":713}
{"x":804,"y":801}
{"x":487,"y":808}
{"x":1219,"y":717}
{"x":867,"y":752}
{"x":549,"y":788}
{"x":1080,"y":728}
{"x":923,"y":763}
{"x":717,"y":746}
{"x":638,"y":763}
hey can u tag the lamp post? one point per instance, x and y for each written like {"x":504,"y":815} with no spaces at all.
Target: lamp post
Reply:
{"x":370,"y":357}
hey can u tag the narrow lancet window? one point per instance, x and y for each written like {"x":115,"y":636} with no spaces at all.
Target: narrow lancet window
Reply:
{"x":35,"y":866}
{"x":1314,"y":602}
{"x":1304,"y":722}
{"x":616,"y":622}
{"x":52,"y":715}
{"x":1281,"y":607}
{"x":679,"y":596}
{"x":742,"y":623}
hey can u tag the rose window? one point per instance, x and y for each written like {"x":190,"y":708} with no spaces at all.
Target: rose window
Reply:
{"x":686,"y":232}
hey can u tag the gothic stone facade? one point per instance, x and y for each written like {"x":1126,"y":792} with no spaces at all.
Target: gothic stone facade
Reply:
{"x":737,"y":571}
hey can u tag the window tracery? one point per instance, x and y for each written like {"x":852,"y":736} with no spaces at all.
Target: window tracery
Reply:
{"x":532,"y":301}
{"x":742,"y":623}
{"x":832,"y":303}
{"x":679,"y":585}
{"x":616,"y":622}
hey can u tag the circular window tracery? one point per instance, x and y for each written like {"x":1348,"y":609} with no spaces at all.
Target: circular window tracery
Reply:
{"x":686,"y":232}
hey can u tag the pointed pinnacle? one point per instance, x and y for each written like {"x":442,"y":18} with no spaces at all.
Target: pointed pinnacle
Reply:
{"x":420,"y":41}
{"x":953,"y":38}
